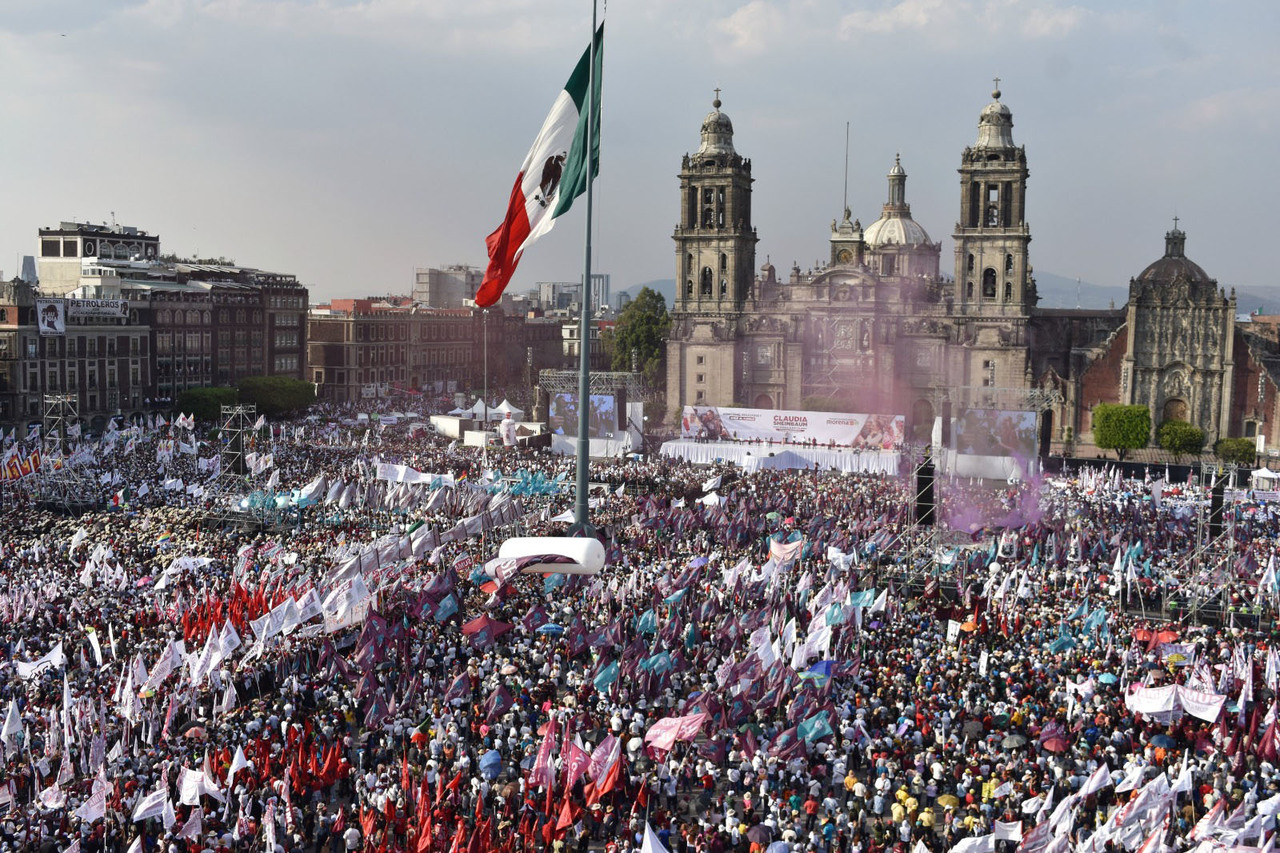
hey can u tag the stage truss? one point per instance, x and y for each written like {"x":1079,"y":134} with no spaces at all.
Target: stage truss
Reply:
{"x":231,"y":487}
{"x":1212,"y":558}
{"x":59,"y":485}
{"x":601,"y":382}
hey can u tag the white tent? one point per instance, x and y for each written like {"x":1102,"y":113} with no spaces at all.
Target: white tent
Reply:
{"x":1265,"y":473}
{"x":712,"y":499}
{"x":503,"y":408}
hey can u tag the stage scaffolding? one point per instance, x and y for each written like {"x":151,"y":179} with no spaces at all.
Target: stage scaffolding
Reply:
{"x":231,"y":499}
{"x":59,"y":485}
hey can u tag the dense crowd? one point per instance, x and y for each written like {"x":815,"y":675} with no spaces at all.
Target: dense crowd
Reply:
{"x":795,"y":667}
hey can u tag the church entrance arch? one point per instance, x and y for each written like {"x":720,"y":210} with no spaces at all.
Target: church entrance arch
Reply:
{"x":762,"y":401}
{"x":922,"y":420}
{"x":1176,"y":409}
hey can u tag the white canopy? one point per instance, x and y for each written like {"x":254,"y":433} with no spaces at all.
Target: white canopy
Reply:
{"x":1265,"y":473}
{"x":504,"y":407}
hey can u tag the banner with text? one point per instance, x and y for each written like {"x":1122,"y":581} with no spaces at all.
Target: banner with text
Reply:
{"x":860,"y":431}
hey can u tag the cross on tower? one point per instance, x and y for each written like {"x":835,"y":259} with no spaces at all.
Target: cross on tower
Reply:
{"x":717,"y":96}
{"x":997,"y":79}
{"x":1175,"y":223}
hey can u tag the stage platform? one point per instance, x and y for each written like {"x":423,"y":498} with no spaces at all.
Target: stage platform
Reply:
{"x":753,"y":457}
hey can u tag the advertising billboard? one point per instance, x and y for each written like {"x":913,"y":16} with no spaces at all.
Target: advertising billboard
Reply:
{"x":51,"y":316}
{"x":856,"y":430}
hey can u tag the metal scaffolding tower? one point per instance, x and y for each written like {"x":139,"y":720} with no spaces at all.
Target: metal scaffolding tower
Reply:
{"x":58,"y":484}
{"x":232,"y":500}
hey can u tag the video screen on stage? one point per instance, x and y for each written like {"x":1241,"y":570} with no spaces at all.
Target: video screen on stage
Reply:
{"x":602,"y":418}
{"x":859,"y":431}
{"x":990,"y":432}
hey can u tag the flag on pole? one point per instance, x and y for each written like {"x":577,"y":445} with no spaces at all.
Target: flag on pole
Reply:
{"x":553,"y":174}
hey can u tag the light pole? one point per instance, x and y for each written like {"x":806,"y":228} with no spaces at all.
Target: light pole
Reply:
{"x":484,"y":451}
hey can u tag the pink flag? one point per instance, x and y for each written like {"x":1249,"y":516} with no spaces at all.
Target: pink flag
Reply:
{"x":576,"y":761}
{"x":543,"y":773}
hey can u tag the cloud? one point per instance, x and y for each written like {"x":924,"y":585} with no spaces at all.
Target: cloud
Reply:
{"x":954,"y":21}
{"x":750,"y":30}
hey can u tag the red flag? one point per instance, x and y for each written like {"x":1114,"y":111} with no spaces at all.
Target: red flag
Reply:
{"x":455,"y":782}
{"x":568,"y":814}
{"x":610,"y":780}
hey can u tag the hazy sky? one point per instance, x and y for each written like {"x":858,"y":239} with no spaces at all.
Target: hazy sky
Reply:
{"x":349,"y":142}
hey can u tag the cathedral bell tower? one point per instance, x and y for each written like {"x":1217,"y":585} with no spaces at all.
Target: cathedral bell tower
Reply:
{"x":715,"y":264}
{"x":715,"y":242}
{"x":993,"y":274}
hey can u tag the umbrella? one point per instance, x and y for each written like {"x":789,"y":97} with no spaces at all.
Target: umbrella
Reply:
{"x":1163,"y":742}
{"x":973,"y":728}
{"x":480,"y":623}
{"x":1108,"y":678}
{"x":969,"y":627}
{"x":1014,"y":741}
{"x":760,"y":834}
{"x":1000,"y":720}
{"x":1055,"y":744}
{"x":772,"y":516}
{"x":948,"y":800}
{"x":509,"y":669}
{"x":491,"y":764}
{"x":551,"y":628}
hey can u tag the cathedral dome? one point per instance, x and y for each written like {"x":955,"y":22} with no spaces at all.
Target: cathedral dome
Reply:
{"x":995,"y":124}
{"x":717,"y":132}
{"x":1175,"y":264}
{"x":895,"y":227}
{"x":895,"y":231}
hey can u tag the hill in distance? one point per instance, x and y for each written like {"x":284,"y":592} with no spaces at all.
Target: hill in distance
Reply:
{"x":1057,"y":291}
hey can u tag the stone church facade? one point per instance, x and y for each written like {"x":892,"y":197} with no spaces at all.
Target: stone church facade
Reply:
{"x":879,"y":328}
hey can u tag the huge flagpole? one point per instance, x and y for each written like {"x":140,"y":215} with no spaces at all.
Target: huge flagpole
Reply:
{"x":583,"y":524}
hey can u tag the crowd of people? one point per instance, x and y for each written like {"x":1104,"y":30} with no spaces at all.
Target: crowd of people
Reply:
{"x":793,"y":667}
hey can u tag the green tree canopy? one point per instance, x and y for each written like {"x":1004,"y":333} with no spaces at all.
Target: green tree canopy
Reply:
{"x":1180,"y":437}
{"x":276,"y":395}
{"x":1241,"y":451}
{"x":642,"y":328}
{"x":206,"y":403}
{"x":1121,"y":428}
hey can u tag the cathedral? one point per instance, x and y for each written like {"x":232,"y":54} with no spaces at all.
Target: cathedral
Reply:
{"x":880,"y":329}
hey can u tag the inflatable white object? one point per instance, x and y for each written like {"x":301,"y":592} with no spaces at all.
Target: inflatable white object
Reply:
{"x":587,"y":554}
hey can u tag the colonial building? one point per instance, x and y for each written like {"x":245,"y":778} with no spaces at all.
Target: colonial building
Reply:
{"x":880,"y":328}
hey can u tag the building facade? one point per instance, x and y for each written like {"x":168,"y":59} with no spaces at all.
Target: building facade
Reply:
{"x":880,"y":327}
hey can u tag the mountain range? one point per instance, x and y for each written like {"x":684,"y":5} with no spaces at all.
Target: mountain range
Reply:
{"x":1057,"y":291}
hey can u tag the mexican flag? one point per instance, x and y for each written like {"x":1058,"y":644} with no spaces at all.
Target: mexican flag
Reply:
{"x":553,"y":174}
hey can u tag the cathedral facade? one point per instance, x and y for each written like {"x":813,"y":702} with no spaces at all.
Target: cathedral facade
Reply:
{"x":879,"y":328}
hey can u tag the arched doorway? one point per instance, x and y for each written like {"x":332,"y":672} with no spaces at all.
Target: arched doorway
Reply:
{"x":1176,"y":409}
{"x":922,"y":420}
{"x":762,"y":401}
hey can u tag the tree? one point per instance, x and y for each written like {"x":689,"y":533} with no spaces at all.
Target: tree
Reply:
{"x":1121,"y":428}
{"x":276,"y":395}
{"x":206,"y":403}
{"x":642,"y":329}
{"x":1180,"y":437}
{"x":1240,"y":451}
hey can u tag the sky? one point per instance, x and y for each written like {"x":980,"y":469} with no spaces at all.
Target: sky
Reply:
{"x":350,"y":141}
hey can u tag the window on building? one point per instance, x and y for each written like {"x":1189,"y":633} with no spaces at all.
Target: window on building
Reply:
{"x":701,"y":378}
{"x":700,"y":397}
{"x":1008,"y":263}
{"x":702,"y":359}
{"x":50,"y":248}
{"x":1008,"y":292}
